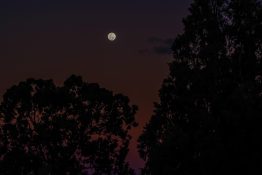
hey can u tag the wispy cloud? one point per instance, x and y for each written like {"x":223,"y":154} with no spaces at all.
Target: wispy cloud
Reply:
{"x":160,"y":46}
{"x":161,"y":50}
{"x":157,"y":40}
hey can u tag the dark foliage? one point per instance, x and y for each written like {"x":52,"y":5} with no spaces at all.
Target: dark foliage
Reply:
{"x":209,"y":119}
{"x":70,"y":129}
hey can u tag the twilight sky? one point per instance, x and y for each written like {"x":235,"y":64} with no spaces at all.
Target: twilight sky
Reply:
{"x":57,"y":38}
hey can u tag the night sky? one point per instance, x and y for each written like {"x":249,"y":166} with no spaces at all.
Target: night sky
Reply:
{"x":54,"y":39}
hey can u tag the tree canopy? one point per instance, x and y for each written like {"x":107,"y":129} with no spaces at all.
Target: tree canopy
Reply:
{"x":209,"y":117}
{"x":78,"y":128}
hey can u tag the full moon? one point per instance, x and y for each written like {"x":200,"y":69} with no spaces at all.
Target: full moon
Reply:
{"x":111,"y":36}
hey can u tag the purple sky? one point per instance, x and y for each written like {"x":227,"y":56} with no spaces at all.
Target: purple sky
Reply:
{"x":54,"y":39}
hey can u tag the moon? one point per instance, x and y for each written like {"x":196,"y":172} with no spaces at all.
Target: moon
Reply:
{"x":111,"y":36}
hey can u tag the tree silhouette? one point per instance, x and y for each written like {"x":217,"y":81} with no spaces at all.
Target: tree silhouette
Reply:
{"x":64,"y":130}
{"x":209,"y":117}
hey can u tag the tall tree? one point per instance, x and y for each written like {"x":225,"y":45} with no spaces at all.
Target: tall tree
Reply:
{"x":209,"y":117}
{"x":70,"y":129}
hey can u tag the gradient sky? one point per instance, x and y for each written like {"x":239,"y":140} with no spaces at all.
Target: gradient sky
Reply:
{"x":54,"y":39}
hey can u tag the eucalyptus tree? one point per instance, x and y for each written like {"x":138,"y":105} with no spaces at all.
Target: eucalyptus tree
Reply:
{"x":76,"y":128}
{"x":209,"y":117}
